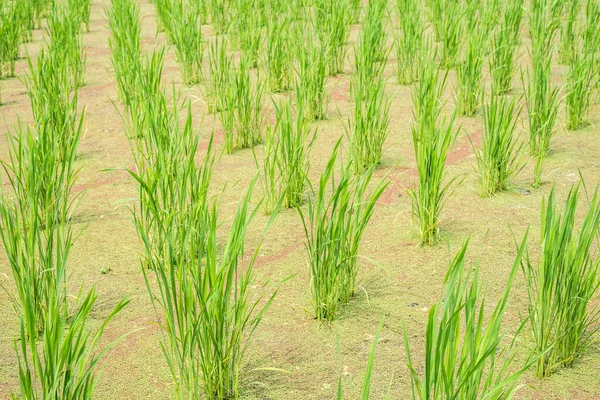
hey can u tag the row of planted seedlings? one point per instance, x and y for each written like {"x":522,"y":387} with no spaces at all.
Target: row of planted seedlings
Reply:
{"x":17,"y":21}
{"x":468,"y":355}
{"x":333,"y":237}
{"x":57,"y":353}
{"x":200,"y":289}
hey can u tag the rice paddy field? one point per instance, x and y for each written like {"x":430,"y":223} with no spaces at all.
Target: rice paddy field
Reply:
{"x":299,"y":199}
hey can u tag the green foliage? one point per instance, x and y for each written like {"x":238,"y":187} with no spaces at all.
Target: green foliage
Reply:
{"x":310,"y":90}
{"x":332,"y":22}
{"x":505,"y":42}
{"x":409,"y":40}
{"x":334,"y":225}
{"x":563,"y":283}
{"x":469,"y":71}
{"x":500,"y":157}
{"x":433,"y":137}
{"x":368,"y":131}
{"x":464,"y":354}
{"x":279,"y":60}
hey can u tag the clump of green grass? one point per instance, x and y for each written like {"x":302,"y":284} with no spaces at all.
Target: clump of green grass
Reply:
{"x":312,"y":70}
{"x":278,"y":60}
{"x":334,"y":225}
{"x":186,"y":34}
{"x":202,"y":295}
{"x":464,"y":355}
{"x":369,"y":129}
{"x":567,"y":47}
{"x":541,"y":97}
{"x":63,"y":31}
{"x":469,"y":71}
{"x":81,"y":10}
{"x":371,"y":51}
{"x":563,"y":283}
{"x":583,"y":71}
{"x":451,"y":32}
{"x":505,"y":42}
{"x":286,"y":161}
{"x":500,"y":157}
{"x":433,"y":137}
{"x":10,"y":39}
{"x":220,"y":75}
{"x":124,"y":43}
{"x":332,"y":22}
{"x":242,"y":117}
{"x":409,"y":40}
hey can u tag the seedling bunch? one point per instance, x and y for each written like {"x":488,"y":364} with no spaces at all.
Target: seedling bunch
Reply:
{"x":124,"y":43}
{"x":368,"y":131}
{"x":464,"y":354}
{"x":409,"y":40}
{"x":562,"y":284}
{"x":371,"y":52}
{"x":500,"y":157}
{"x":243,"y":116}
{"x":505,"y":42}
{"x":286,"y":158}
{"x":542,"y":98}
{"x":334,"y":225}
{"x":583,"y":69}
{"x":469,"y":71}
{"x":278,"y":59}
{"x":202,"y":296}
{"x":312,"y":70}
{"x":332,"y":22}
{"x":181,"y":20}
{"x":433,"y":137}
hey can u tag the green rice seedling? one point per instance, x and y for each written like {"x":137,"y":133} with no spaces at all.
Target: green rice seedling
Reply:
{"x":248,"y":31}
{"x":333,"y":26}
{"x":563,"y":283}
{"x":63,"y":31}
{"x":542,"y":99}
{"x":33,"y":217}
{"x":368,"y":131}
{"x":269,"y":172}
{"x":568,"y":32}
{"x":505,"y":42}
{"x":243,"y":115}
{"x":500,"y":157}
{"x":220,"y":15}
{"x":220,"y":77}
{"x":248,"y":107}
{"x":81,"y":10}
{"x":186,"y":35}
{"x":279,"y":61}
{"x":64,"y":362}
{"x":53,"y":100}
{"x":124,"y":43}
{"x":465,"y":357}
{"x":452,"y":32}
{"x":355,"y":8}
{"x":409,"y":40}
{"x":292,"y":153}
{"x":202,"y":295}
{"x":581,"y":80}
{"x":374,"y":34}
{"x":10,"y":39}
{"x":312,"y":69}
{"x":433,"y":137}
{"x":469,"y":71}
{"x":333,"y":226}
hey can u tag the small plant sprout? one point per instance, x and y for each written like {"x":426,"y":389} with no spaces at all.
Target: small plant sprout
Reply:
{"x":409,"y":40}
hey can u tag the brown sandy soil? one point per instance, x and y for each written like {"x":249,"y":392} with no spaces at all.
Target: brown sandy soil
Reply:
{"x":289,"y":339}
